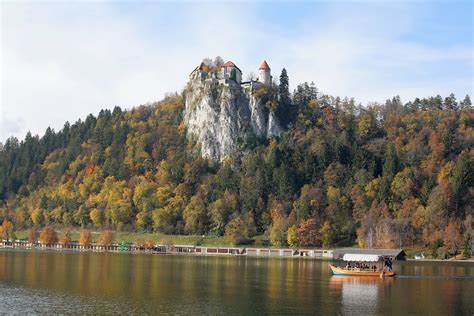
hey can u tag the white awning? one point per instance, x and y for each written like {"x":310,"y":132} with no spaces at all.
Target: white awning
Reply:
{"x":360,"y":257}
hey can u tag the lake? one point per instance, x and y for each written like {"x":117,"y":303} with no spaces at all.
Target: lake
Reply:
{"x":109,"y":283}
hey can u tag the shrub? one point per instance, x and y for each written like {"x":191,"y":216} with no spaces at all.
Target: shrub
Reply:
{"x":48,"y":236}
{"x":85,"y":237}
{"x":66,"y":238}
{"x":106,"y":238}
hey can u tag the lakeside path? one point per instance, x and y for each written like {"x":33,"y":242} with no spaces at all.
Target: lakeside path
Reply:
{"x":324,"y":254}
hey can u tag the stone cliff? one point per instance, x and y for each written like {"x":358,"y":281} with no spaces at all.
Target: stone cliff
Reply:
{"x":224,"y":116}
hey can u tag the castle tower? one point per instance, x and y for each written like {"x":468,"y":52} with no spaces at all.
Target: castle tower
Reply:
{"x":264,"y":75}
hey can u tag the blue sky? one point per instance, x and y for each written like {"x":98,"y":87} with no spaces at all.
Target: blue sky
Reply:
{"x":61,"y":61}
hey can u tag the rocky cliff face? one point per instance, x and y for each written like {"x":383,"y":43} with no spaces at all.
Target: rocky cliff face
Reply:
{"x":224,"y":118}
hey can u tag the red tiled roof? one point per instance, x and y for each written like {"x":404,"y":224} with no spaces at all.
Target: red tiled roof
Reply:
{"x":264,"y":65}
{"x":231,"y":64}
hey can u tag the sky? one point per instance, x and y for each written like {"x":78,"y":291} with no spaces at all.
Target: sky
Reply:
{"x":60,"y":61}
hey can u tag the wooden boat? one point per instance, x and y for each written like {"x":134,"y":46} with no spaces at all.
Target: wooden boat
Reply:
{"x":377,"y":266}
{"x":361,"y":272}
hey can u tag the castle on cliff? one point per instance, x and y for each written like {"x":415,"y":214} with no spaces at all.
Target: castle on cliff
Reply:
{"x":229,"y":74}
{"x":226,"y":115}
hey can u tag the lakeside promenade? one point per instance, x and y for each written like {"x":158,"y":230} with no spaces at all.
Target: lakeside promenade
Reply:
{"x":324,"y":254}
{"x":172,"y":249}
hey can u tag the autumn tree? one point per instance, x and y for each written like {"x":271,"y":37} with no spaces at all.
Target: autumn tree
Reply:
{"x":452,"y":236}
{"x":278,"y":228}
{"x":85,"y":237}
{"x":308,"y":233}
{"x":48,"y":236}
{"x":292,"y":236}
{"x":97,"y":217}
{"x":327,"y":235}
{"x":6,"y":229}
{"x":220,"y":211}
{"x":66,"y":238}
{"x":32,"y":235}
{"x":239,"y":230}
{"x":195,"y":216}
{"x":106,"y":238}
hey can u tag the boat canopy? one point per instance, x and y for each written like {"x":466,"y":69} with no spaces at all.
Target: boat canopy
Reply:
{"x":361,"y":257}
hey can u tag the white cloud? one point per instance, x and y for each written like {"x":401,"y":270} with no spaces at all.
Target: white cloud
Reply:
{"x":63,"y":61}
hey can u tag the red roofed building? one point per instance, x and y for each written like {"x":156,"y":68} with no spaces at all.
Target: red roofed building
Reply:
{"x":264,"y":65}
{"x":264,"y":75}
{"x":232,"y":72}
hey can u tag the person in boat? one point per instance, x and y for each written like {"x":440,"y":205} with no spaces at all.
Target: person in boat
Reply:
{"x":388,"y":264}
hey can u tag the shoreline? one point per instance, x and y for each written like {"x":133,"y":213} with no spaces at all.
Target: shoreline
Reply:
{"x":224,"y":251}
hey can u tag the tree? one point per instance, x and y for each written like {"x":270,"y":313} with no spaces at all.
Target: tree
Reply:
{"x":285,"y":110}
{"x":48,"y":236}
{"x":66,"y":238}
{"x":450,"y":103}
{"x":32,"y":235}
{"x":308,"y":233}
{"x":327,"y":235}
{"x":452,"y":236}
{"x":144,"y":220}
{"x":390,"y":167}
{"x":239,"y":230}
{"x":195,"y":216}
{"x":220,"y":210}
{"x":467,"y":249}
{"x":85,"y":237}
{"x":97,"y":217}
{"x":466,"y":103}
{"x":462,"y":180}
{"x":278,"y":228}
{"x":6,"y":229}
{"x":292,"y":236}
{"x":106,"y":238}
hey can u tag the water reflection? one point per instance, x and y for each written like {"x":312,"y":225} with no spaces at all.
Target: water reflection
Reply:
{"x":122,"y":283}
{"x":360,"y":294}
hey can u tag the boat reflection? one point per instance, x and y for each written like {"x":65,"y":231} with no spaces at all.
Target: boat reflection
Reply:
{"x":360,"y":295}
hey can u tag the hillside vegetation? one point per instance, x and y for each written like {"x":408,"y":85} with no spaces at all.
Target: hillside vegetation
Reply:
{"x":379,"y":175}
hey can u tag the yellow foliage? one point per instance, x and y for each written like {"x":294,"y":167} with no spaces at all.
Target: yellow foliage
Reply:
{"x":96,"y":217}
{"x":292,"y":237}
{"x":333,"y":194}
{"x":37,"y":216}
{"x":372,"y":188}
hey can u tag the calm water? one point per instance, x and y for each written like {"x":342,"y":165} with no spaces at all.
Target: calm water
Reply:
{"x":109,"y":283}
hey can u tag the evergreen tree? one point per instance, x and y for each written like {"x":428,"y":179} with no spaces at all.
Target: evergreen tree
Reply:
{"x":285,"y":112}
{"x":466,"y":102}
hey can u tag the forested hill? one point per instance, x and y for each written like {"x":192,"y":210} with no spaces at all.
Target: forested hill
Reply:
{"x":380,"y":175}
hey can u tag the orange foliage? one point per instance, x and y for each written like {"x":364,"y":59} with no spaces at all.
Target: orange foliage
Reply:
{"x":85,"y":237}
{"x":66,"y":238}
{"x":32,"y":235}
{"x":89,"y":169}
{"x":106,"y":238}
{"x":48,"y":236}
{"x":6,"y":229}
{"x":308,"y":233}
{"x":149,"y":244}
{"x":452,"y":236}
